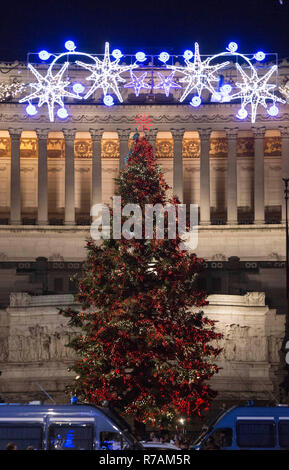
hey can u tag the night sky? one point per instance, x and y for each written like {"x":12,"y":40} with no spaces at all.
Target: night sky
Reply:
{"x":29,"y":26}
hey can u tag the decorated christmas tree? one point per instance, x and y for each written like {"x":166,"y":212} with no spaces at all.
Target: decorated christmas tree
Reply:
{"x":144,"y":345}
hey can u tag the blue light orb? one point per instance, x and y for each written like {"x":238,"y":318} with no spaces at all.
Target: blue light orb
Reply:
{"x":108,"y":100}
{"x":70,"y":46}
{"x":242,"y":113}
{"x":78,"y":88}
{"x":31,"y":109}
{"x":140,"y":56}
{"x":195,"y":101}
{"x":43,"y":55}
{"x":188,"y":54}
{"x":226,"y":89}
{"x":259,"y":56}
{"x":232,"y":47}
{"x":273,"y":110}
{"x":116,"y":53}
{"x":62,"y":113}
{"x":164,"y":57}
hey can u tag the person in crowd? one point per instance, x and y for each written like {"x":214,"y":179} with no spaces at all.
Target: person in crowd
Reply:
{"x":11,"y":446}
{"x":30,"y":448}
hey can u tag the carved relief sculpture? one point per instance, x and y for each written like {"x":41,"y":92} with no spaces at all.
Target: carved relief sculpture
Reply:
{"x":110,"y":148}
{"x":55,"y":148}
{"x":5,"y":147}
{"x":191,"y":148}
{"x":83,"y":148}
{"x":164,"y":148}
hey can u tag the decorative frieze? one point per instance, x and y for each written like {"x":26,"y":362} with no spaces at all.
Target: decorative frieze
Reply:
{"x":55,"y":148}
{"x":191,"y":148}
{"x":110,"y":148}
{"x":164,"y":148}
{"x":28,"y":148}
{"x":83,"y":148}
{"x":272,"y":146}
{"x":5,"y":147}
{"x":218,"y":147}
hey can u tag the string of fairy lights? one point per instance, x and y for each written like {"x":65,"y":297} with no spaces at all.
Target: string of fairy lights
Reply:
{"x":192,"y":75}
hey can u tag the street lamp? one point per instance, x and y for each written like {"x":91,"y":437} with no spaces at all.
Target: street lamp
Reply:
{"x":286,"y":197}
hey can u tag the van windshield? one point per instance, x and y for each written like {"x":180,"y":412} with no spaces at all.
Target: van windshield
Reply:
{"x":208,"y":426}
{"x":123,"y":426}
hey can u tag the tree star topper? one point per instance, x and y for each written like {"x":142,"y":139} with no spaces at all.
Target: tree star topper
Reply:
{"x":255,"y":90}
{"x":49,"y":89}
{"x":198,"y":75}
{"x":144,"y":122}
{"x":106,"y":74}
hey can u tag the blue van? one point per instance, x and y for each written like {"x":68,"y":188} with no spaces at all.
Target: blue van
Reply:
{"x":64,"y":427}
{"x":247,"y":427}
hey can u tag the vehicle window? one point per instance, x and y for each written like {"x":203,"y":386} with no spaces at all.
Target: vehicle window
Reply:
{"x":219,"y":439}
{"x":284,"y":433}
{"x":70,"y":437}
{"x":256,"y":433}
{"x":23,"y":435}
{"x":112,"y":441}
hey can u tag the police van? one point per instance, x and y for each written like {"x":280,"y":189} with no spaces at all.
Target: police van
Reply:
{"x":64,"y":427}
{"x":247,"y":427}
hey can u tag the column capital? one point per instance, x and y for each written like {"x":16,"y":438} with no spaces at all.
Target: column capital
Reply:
{"x":284,"y":131}
{"x":96,"y":134}
{"x":178,"y":133}
{"x":231,"y":132}
{"x":123,"y":134}
{"x":15,"y":133}
{"x":42,"y":133}
{"x":69,"y":134}
{"x":259,"y":132}
{"x":204,"y":133}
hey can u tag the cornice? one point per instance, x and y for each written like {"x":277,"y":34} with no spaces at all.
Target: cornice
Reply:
{"x":125,"y":114}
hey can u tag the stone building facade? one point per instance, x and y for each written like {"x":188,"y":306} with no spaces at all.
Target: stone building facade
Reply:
{"x":51,"y":173}
{"x":34,"y":356}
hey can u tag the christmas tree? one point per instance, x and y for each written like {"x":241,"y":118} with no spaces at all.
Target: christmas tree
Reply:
{"x":144,"y":345}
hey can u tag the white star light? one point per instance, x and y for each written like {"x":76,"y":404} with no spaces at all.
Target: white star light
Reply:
{"x":254,"y":90}
{"x":198,"y":75}
{"x":49,"y":89}
{"x":137,"y":82}
{"x":106,"y":74}
{"x":166,"y":83}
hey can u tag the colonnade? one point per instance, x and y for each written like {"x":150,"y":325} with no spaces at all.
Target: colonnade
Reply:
{"x":124,"y":134}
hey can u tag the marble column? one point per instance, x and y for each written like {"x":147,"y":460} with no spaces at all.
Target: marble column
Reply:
{"x":232,"y":205}
{"x":123,"y":135}
{"x":69,"y":217}
{"x":42,"y":214}
{"x":259,"y":196}
{"x":285,"y":164}
{"x":151,"y":137}
{"x":178,"y":163}
{"x":205,"y":199}
{"x":15,"y":187}
{"x":96,"y":173}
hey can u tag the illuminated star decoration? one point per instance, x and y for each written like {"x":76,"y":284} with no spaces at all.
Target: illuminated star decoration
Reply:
{"x":49,"y":89}
{"x":255,"y":90}
{"x":144,"y":122}
{"x":106,"y":74}
{"x":10,"y":90}
{"x":166,"y":83}
{"x":137,"y":82}
{"x":198,"y":75}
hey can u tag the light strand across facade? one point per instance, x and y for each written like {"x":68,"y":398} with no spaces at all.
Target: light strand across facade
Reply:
{"x":252,"y":81}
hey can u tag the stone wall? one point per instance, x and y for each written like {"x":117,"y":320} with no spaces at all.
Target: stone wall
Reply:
{"x":33,"y":353}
